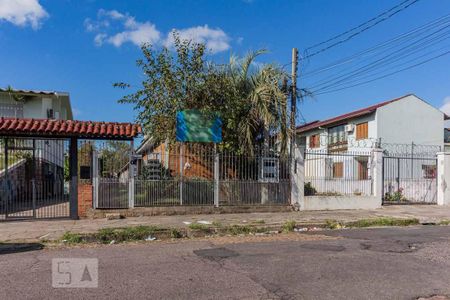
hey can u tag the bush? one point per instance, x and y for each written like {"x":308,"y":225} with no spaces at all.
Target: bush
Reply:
{"x":309,"y":189}
{"x":289,"y":226}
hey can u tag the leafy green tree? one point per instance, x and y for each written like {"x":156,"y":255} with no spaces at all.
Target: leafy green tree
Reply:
{"x":250,"y":100}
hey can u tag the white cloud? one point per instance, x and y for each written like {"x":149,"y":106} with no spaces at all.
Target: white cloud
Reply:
{"x":100,"y":39}
{"x":22,"y":12}
{"x":140,"y":33}
{"x":116,"y":28}
{"x":215,"y":40}
{"x":129,"y":29}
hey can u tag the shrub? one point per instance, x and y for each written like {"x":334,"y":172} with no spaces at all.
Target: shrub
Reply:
{"x":289,"y":226}
{"x":309,"y":189}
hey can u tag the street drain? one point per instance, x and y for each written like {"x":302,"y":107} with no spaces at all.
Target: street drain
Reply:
{"x":216,"y":253}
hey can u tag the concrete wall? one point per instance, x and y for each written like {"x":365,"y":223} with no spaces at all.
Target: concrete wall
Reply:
{"x":341,"y":186}
{"x":341,"y":202}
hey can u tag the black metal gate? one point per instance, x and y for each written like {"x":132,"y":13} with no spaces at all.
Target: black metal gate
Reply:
{"x":409,"y":180}
{"x":34,"y":178}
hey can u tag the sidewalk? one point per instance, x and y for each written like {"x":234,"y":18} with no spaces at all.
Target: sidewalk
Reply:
{"x":52,"y":230}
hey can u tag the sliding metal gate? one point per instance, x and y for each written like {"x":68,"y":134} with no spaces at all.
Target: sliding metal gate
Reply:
{"x":409,"y":180}
{"x":34,"y":178}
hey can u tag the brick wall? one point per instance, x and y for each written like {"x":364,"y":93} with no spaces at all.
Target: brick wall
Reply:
{"x":85,"y":197}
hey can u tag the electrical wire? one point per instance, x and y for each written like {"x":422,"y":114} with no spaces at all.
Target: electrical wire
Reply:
{"x":387,"y":59}
{"x":391,"y":43}
{"x":360,"y":27}
{"x":386,"y":75}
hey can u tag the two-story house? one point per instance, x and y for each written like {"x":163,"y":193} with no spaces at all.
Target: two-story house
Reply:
{"x":35,"y":104}
{"x":338,"y":149}
{"x":402,"y":121}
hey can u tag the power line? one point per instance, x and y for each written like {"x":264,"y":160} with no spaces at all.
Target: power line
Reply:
{"x":370,"y":73}
{"x":386,"y":75}
{"x":392,"y":57}
{"x":390,"y":13}
{"x":391,"y":43}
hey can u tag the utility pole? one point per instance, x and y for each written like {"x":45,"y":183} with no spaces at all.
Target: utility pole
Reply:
{"x":293,"y":98}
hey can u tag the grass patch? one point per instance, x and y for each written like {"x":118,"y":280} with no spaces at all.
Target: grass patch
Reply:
{"x":374,"y":222}
{"x":259,"y":222}
{"x":72,"y":238}
{"x":217,"y":224}
{"x":444,"y":222}
{"x":120,"y":235}
{"x":175,"y":234}
{"x":289,"y":226}
{"x":197,"y":226}
{"x":333,"y":224}
{"x":239,"y":229}
{"x":383,"y":221}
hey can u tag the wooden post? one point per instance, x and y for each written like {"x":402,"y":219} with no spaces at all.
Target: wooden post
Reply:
{"x":73,"y":172}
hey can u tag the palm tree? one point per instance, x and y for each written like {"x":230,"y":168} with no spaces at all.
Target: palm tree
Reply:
{"x":263,"y":101}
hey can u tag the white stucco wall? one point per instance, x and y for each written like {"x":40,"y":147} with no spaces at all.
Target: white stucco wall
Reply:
{"x":410,"y":120}
{"x":36,"y":107}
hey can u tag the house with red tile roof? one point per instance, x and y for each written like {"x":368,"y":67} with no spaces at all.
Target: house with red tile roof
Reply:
{"x":401,"y":121}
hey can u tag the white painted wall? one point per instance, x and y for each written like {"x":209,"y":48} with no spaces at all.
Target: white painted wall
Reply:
{"x":36,"y":107}
{"x":410,"y":120}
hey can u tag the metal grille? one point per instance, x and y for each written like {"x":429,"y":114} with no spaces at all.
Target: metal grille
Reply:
{"x":262,"y":179}
{"x":176,"y":175}
{"x":34,"y":178}
{"x":337,"y":173}
{"x":187,"y":175}
{"x":106,"y":166}
{"x":409,"y":180}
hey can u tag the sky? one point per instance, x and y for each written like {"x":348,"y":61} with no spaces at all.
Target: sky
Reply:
{"x":83,"y":46}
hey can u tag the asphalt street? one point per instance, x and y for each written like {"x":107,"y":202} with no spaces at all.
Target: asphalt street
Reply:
{"x":385,"y":263}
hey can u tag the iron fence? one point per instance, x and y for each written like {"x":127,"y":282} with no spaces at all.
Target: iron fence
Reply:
{"x":337,"y":173}
{"x":261,"y":179}
{"x":34,"y":179}
{"x":200,"y":174}
{"x":409,"y":180}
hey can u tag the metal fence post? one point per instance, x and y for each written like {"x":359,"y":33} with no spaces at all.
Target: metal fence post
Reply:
{"x":181,"y":173}
{"x":95,"y":178}
{"x":6,"y":185}
{"x":131,"y":177}
{"x":73,"y":171}
{"x":216,"y":176}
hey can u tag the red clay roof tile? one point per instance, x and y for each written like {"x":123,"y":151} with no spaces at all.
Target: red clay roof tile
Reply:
{"x":68,"y":128}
